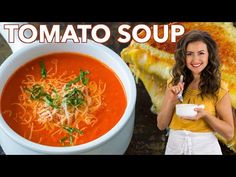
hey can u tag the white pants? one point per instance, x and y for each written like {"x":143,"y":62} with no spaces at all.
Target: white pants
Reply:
{"x":187,"y":142}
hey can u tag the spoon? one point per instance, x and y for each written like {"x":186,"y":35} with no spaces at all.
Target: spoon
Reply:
{"x":180,"y":96}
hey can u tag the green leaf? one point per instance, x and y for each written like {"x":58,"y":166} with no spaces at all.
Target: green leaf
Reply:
{"x":43,"y":69}
{"x":50,"y":101}
{"x":71,"y":139}
{"x":62,"y":140}
{"x":36,"y":91}
{"x":70,"y":131}
{"x":79,"y":131}
{"x":74,"y":98}
{"x":69,"y":84}
{"x":81,"y":78}
{"x":82,"y":75}
{"x":85,"y":81}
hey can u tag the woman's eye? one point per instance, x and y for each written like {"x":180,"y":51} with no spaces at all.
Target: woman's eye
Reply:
{"x":188,"y":54}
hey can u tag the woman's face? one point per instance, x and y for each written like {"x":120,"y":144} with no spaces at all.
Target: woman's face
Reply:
{"x":196,"y":57}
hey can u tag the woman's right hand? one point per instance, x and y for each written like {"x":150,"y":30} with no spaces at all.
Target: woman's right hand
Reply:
{"x":173,"y":91}
{"x":168,"y":105}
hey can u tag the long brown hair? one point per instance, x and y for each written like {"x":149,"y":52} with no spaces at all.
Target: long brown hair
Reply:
{"x":210,"y":77}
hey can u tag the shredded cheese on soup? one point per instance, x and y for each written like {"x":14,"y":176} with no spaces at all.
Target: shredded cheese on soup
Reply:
{"x":59,"y":104}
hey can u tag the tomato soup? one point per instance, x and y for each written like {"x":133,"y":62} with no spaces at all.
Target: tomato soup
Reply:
{"x":63,"y":99}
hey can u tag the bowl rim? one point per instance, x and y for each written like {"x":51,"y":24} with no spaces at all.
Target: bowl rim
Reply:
{"x":185,"y":104}
{"x":92,"y":144}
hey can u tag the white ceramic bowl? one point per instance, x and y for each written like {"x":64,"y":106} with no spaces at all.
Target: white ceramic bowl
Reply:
{"x":116,"y":141}
{"x":187,"y":110}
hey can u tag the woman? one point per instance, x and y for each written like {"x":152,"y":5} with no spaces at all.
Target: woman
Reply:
{"x":197,"y":60}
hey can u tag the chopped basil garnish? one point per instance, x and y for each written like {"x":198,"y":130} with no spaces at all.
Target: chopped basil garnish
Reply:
{"x":70,"y":131}
{"x":82,"y":75}
{"x":37,"y":91}
{"x":62,"y":140}
{"x":81,"y":78}
{"x":74,"y":98}
{"x":43,"y":69}
{"x":50,"y":101}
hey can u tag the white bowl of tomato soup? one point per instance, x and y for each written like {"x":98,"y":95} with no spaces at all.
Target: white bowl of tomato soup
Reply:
{"x":66,"y":98}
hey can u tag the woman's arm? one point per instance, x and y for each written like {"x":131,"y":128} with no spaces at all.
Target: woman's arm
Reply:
{"x":225,"y":124}
{"x":168,"y":105}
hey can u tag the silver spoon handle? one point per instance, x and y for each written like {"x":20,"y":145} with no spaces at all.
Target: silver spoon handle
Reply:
{"x":179,"y":96}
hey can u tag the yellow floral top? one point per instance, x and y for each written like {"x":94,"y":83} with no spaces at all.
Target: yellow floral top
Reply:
{"x":191,"y":96}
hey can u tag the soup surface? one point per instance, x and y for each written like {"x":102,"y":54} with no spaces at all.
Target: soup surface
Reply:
{"x":63,"y":99}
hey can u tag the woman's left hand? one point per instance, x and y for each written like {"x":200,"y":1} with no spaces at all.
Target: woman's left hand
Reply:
{"x":201,"y":113}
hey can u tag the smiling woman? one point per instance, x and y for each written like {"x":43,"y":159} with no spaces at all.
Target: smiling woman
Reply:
{"x":63,"y":105}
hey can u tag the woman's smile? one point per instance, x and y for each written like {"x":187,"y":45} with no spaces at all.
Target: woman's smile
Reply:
{"x":196,"y":65}
{"x":196,"y":57}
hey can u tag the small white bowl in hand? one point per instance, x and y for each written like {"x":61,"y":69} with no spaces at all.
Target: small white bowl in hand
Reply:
{"x":187,"y":110}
